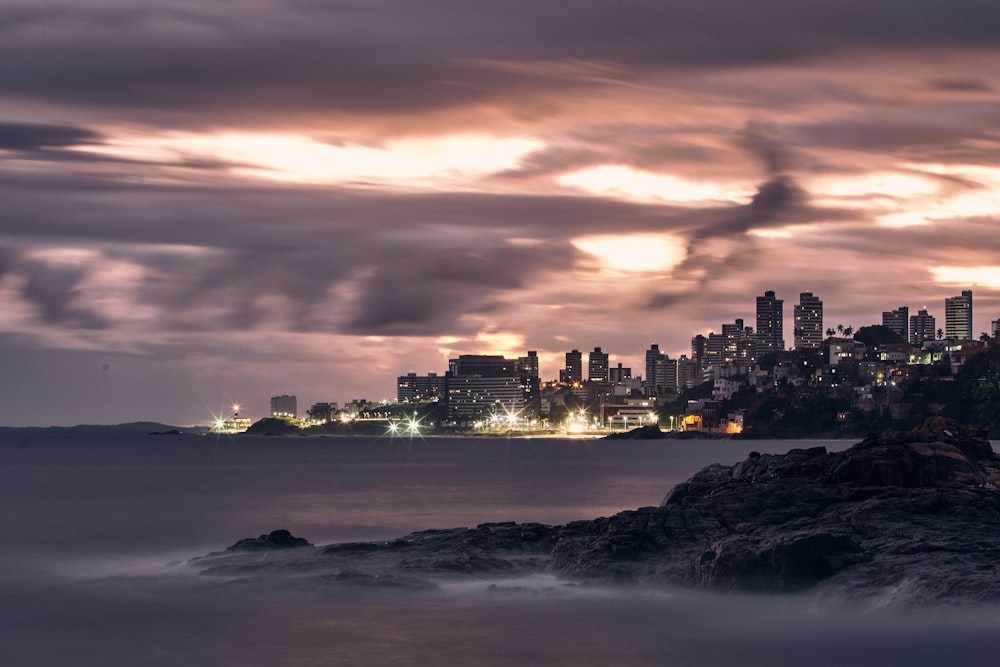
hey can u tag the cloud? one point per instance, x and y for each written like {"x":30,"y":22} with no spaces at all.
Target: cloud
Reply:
{"x":33,"y":136}
{"x":394,"y":58}
{"x":54,"y":290}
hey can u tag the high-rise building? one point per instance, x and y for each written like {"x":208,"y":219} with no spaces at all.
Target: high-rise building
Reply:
{"x":412,"y":387}
{"x":715,"y":350}
{"x":597,"y":366}
{"x":995,"y":328}
{"x":922,"y":327}
{"x":808,"y":313}
{"x":770,"y":323}
{"x":529,"y":364}
{"x":573,"y":372}
{"x":958,"y":316}
{"x":668,"y":377}
{"x":898,"y":320}
{"x":698,"y":344}
{"x":481,"y":385}
{"x":661,"y":373}
{"x":484,"y":365}
{"x":284,"y":406}
{"x":619,"y":374}
{"x":531,"y":382}
{"x":738,"y":345}
{"x":477,"y":397}
{"x":688,"y":373}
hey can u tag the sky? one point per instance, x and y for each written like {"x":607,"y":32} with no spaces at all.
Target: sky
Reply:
{"x":203,"y":203}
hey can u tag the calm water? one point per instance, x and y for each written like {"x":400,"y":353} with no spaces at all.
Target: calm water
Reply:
{"x":93,"y":523}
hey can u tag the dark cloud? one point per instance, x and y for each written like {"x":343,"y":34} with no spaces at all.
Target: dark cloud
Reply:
{"x":425,"y":293}
{"x":419,"y":261}
{"x":55,"y":292}
{"x":396,"y":57}
{"x":961,"y":85}
{"x":31,"y":136}
{"x":554,"y":160}
{"x":887,"y":131}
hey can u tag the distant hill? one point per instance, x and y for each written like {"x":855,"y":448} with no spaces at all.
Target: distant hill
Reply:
{"x":140,"y":427}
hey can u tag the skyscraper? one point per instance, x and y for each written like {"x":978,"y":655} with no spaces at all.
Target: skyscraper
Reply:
{"x":485,"y":365}
{"x":770,"y":323}
{"x":922,"y":327}
{"x":698,"y":344}
{"x":661,"y":373}
{"x":898,"y":320}
{"x":688,"y":373}
{"x":958,"y":316}
{"x":808,"y":321}
{"x":737,"y":344}
{"x":531,"y":382}
{"x":529,"y":364}
{"x":597,"y":366}
{"x":574,"y":367}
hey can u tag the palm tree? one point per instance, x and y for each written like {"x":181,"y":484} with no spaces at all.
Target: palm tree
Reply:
{"x":848,"y":331}
{"x":840,"y":329}
{"x":830,"y":332}
{"x":940,"y":334}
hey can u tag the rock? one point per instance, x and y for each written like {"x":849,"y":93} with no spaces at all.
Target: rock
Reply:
{"x":919,"y":506}
{"x":276,"y":539}
{"x":910,"y":516}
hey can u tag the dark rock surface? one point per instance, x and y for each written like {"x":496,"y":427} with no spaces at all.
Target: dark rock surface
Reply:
{"x":902,"y":517}
{"x":276,"y":539}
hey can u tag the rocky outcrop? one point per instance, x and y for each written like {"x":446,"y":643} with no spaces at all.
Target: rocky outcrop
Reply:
{"x":276,"y":539}
{"x":918,"y":508}
{"x":914,"y":516}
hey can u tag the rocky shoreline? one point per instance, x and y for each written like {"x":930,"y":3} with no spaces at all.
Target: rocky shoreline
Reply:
{"x":906,"y":517}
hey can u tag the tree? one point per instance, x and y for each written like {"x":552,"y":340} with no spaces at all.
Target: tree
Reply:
{"x":940,"y":334}
{"x":974,"y":394}
{"x":876,"y":335}
{"x":840,"y":329}
{"x":848,"y":331}
{"x":829,"y":332}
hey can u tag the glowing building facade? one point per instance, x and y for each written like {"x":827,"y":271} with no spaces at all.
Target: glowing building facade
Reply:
{"x":770,"y":323}
{"x":958,"y":316}
{"x":922,"y":327}
{"x":808,"y":313}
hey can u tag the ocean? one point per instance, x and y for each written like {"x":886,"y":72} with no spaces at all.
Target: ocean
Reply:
{"x":97,"y":528}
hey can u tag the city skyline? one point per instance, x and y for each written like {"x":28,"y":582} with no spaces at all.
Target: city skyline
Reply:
{"x":216,"y":204}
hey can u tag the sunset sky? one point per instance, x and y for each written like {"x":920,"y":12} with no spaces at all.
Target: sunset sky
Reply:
{"x":213,"y":202}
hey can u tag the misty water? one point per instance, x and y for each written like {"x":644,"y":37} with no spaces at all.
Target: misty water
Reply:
{"x":97,"y":529}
